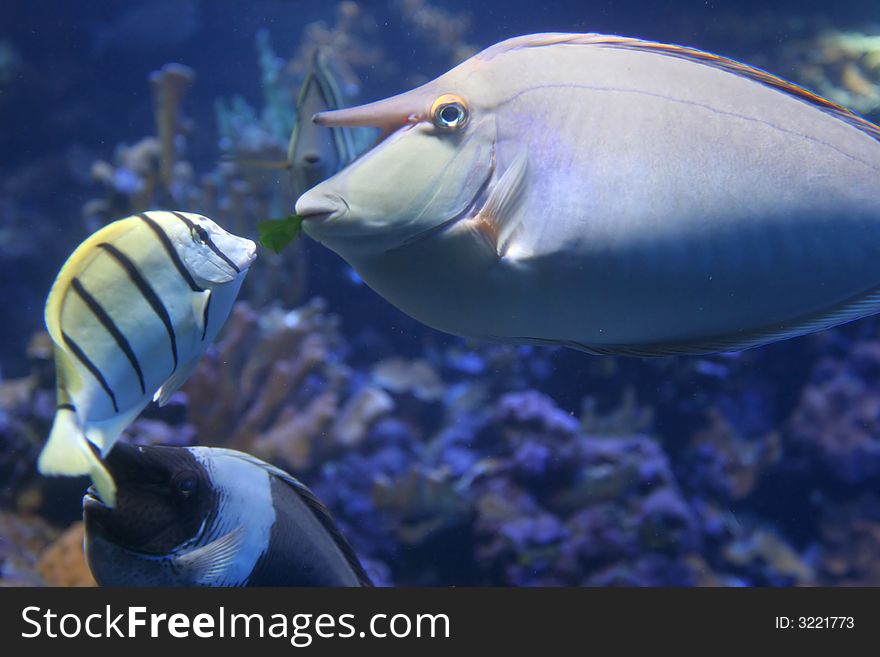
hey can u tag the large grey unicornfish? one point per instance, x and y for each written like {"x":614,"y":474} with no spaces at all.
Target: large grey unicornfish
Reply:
{"x":612,"y":195}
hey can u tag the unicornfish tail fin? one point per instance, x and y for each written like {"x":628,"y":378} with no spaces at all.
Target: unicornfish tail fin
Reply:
{"x":68,"y":453}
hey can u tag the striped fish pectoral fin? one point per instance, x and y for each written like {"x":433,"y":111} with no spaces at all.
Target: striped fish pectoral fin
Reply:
{"x":68,"y":453}
{"x":207,"y":564}
{"x":177,"y":379}
{"x":201,"y":311}
{"x":497,"y":219}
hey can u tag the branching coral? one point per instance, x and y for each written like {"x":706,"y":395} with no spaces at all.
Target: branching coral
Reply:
{"x":169,"y":85}
{"x":275,"y":386}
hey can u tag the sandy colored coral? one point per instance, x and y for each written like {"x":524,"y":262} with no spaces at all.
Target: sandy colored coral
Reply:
{"x":169,"y":86}
{"x":63,"y":563}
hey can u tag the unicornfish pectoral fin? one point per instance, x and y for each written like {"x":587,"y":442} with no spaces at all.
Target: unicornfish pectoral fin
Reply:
{"x":174,"y":382}
{"x":207,"y":564}
{"x":67,"y":452}
{"x":497,"y":219}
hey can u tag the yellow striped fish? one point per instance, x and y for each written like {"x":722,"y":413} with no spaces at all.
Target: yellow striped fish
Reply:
{"x":130,"y":313}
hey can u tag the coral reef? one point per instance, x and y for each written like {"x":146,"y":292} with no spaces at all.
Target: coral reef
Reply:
{"x":841,"y":63}
{"x":842,"y":66}
{"x":455,"y":469}
{"x":23,"y":537}
{"x":27,"y":406}
{"x":169,"y":86}
{"x":836,"y":425}
{"x":850,"y":541}
{"x":442,"y":29}
{"x":63,"y":562}
{"x":273,"y":385}
{"x":351,"y":38}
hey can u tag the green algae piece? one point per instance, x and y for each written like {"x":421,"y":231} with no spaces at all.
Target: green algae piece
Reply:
{"x":275,"y":234}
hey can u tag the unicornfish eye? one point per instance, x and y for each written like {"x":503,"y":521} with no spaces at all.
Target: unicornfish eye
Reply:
{"x":449,"y":112}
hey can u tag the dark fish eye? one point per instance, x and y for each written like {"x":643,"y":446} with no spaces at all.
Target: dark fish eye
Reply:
{"x":449,"y":112}
{"x":185,"y":484}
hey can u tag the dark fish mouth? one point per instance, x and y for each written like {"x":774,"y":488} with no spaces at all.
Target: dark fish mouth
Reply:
{"x":95,"y":515}
{"x":93,"y":495}
{"x":93,"y":504}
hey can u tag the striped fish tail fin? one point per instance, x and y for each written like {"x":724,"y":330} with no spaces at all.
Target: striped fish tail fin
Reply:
{"x":68,"y":453}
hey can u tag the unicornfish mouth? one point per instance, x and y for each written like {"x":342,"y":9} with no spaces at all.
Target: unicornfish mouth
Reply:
{"x":319,"y":207}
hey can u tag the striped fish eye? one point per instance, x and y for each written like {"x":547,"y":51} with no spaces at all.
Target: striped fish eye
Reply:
{"x":449,"y":112}
{"x":199,"y":235}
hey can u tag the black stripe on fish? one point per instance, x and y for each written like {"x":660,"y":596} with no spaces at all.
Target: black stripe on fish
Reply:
{"x":91,"y":367}
{"x":66,"y":407}
{"x":203,"y":235}
{"x":146,"y":291}
{"x":205,"y":317}
{"x":171,"y":251}
{"x":108,"y":323}
{"x":331,"y":97}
